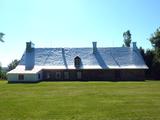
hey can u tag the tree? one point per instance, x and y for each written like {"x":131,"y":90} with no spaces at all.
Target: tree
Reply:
{"x":1,"y":36}
{"x":2,"y":74}
{"x":155,"y":41}
{"x":149,"y":57}
{"x":127,"y":38}
{"x":13,"y":64}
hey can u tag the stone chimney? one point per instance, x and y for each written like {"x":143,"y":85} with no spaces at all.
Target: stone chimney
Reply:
{"x":134,"y":45}
{"x":29,"y":56}
{"x":29,"y":46}
{"x":94,"y":47}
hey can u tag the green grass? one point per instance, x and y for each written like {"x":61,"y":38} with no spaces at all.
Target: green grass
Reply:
{"x":80,"y":101}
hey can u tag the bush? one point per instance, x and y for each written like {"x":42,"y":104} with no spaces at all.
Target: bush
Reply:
{"x":2,"y":74}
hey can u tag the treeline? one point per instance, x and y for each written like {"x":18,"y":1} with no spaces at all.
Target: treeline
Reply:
{"x":151,"y":56}
{"x":11,"y":66}
{"x":2,"y":74}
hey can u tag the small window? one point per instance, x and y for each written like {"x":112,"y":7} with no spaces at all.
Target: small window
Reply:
{"x":48,"y":75}
{"x":79,"y":75}
{"x":117,"y":75}
{"x":39,"y":76}
{"x":58,"y":75}
{"x":66,"y":75}
{"x":20,"y":77}
{"x":77,"y":61}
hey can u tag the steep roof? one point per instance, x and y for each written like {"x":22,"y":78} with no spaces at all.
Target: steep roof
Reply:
{"x":104,"y":58}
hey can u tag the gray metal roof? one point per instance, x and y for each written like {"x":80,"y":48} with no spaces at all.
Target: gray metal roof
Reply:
{"x":104,"y":58}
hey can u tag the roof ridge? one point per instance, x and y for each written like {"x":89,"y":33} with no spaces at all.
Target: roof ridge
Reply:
{"x":77,"y":47}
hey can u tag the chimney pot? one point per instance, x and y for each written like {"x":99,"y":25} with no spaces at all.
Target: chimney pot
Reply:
{"x":29,"y":46}
{"x":94,"y":47}
{"x":134,"y":45}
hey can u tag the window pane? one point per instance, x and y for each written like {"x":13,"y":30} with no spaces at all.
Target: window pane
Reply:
{"x":66,"y":75}
{"x":58,"y":75}
{"x":21,"y":77}
{"x":79,"y":75}
{"x":39,"y":76}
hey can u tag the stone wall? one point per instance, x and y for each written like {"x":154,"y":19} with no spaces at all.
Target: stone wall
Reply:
{"x":94,"y":75}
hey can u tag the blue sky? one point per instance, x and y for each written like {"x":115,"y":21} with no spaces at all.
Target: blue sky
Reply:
{"x":74,"y":23}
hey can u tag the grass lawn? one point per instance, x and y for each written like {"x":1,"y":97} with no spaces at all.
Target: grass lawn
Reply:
{"x":80,"y":101}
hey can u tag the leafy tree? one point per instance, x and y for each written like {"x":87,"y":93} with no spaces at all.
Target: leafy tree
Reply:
{"x":13,"y":64}
{"x":0,"y":71}
{"x":2,"y":74}
{"x":127,"y":38}
{"x":155,"y":41}
{"x":152,"y":56}
{"x":1,"y":36}
{"x":149,"y":57}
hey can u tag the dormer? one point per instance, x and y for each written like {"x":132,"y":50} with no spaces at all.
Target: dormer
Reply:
{"x":77,"y":61}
